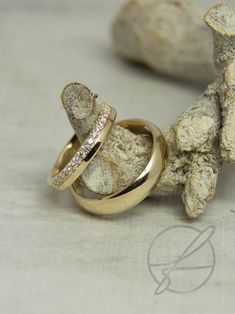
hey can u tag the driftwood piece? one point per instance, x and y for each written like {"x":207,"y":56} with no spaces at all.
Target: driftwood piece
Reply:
{"x":169,"y":36}
{"x":199,"y":141}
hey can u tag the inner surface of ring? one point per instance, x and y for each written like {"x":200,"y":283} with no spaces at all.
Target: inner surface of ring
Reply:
{"x":136,"y":128}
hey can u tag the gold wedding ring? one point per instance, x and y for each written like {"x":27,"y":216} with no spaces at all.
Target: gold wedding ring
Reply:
{"x":74,"y":159}
{"x":140,"y":188}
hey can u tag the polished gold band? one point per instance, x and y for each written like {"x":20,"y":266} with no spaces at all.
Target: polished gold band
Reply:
{"x":141,"y":187}
{"x":74,"y":159}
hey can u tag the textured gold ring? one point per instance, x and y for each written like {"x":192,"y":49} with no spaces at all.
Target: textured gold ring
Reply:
{"x":141,"y":187}
{"x":74,"y":159}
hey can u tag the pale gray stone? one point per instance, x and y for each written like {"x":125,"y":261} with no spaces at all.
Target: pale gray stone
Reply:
{"x":199,"y":141}
{"x":222,"y":21}
{"x":169,"y":36}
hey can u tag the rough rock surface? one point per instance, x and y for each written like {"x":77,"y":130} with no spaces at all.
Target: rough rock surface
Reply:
{"x":167,"y":35}
{"x":222,"y":21}
{"x":199,"y":141}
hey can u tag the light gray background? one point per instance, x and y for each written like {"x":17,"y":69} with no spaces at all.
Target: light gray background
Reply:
{"x":54,"y":258}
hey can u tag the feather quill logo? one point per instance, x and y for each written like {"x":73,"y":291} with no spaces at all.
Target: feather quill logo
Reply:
{"x":181,"y":259}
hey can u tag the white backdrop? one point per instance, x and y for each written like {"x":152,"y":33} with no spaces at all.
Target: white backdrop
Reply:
{"x":54,"y":258}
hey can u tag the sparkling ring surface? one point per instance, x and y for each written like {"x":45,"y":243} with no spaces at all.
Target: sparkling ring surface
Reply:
{"x":74,"y":159}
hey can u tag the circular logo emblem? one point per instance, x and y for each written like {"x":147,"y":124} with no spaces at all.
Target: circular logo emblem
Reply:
{"x":181,"y":259}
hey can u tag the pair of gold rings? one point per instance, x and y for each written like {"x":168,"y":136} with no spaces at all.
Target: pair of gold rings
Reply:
{"x":75,"y":158}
